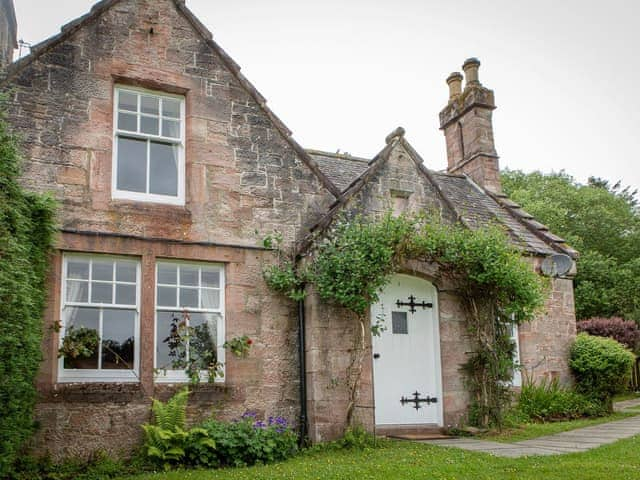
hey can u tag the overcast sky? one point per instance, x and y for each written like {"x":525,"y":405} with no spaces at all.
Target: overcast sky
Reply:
{"x":343,"y":74}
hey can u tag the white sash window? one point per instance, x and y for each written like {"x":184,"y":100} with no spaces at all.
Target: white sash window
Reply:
{"x":148,"y":146}
{"x":101,"y":298}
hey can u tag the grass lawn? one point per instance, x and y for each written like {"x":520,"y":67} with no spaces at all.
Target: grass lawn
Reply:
{"x":533,"y":430}
{"x":626,"y":396}
{"x":411,"y":460}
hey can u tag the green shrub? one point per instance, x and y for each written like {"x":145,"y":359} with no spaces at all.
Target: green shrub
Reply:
{"x":98,"y":467}
{"x":548,"y":400}
{"x":26,"y":235}
{"x":602,"y":367}
{"x":248,"y":441}
{"x":357,"y":438}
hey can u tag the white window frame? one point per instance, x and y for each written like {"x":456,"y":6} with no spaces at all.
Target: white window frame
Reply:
{"x":139,"y":196}
{"x":180,"y":376}
{"x":516,"y":381}
{"x":99,"y":375}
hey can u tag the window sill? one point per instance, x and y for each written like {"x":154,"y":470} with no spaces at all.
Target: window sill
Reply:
{"x":131,"y":197}
{"x":94,"y":392}
{"x":155,"y":209}
{"x":180,"y":378}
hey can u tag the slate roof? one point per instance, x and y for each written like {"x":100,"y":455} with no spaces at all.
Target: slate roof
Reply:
{"x":472,"y":205}
{"x":341,"y":169}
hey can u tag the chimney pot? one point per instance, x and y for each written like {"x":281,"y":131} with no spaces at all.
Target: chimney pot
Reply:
{"x":455,"y":85}
{"x":470,"y":68}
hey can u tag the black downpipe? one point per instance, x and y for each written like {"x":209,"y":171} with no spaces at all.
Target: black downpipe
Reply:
{"x":303,"y":374}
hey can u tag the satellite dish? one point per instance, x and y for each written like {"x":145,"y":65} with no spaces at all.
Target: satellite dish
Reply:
{"x":556,"y":265}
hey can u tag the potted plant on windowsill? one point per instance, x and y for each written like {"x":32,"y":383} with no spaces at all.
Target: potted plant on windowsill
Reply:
{"x":79,"y":347}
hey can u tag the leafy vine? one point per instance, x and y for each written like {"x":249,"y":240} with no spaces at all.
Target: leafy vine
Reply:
{"x":354,"y":260}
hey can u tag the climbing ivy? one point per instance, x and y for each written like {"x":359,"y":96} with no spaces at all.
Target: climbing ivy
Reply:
{"x":26,"y":235}
{"x":354,"y":260}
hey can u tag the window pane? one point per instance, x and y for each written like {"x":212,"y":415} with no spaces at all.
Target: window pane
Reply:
{"x":125,"y":294}
{"x":203,"y":340}
{"x":189,"y":276}
{"x":102,"y":270}
{"x":101,"y":292}
{"x":149,"y":104}
{"x":128,"y":121}
{"x":81,"y":319}
{"x":170,"y":108}
{"x":168,"y":274}
{"x":399,"y":323}
{"x":167,"y":296}
{"x":77,"y":291}
{"x":171,"y":128}
{"x":189,"y":297}
{"x":77,"y":268}
{"x":210,"y":298}
{"x":128,"y":101}
{"x":163,"y":177}
{"x":149,"y":125}
{"x":125,"y":271}
{"x":132,"y":164}
{"x":168,"y":350}
{"x":211,"y":278}
{"x":118,"y":327}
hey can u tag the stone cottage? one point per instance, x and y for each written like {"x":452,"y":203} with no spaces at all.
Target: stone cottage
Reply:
{"x":169,"y":168}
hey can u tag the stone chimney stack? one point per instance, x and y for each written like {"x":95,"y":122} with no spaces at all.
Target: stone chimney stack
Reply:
{"x":468,"y":131}
{"x":8,"y":32}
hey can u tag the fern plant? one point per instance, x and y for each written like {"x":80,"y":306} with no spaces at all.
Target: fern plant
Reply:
{"x":168,"y":442}
{"x":171,"y":415}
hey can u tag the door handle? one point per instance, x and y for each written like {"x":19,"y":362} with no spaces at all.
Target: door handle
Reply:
{"x":376,"y":355}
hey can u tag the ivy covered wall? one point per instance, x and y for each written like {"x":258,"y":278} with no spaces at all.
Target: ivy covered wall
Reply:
{"x":26,"y":234}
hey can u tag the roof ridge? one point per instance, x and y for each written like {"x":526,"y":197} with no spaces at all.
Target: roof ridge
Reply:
{"x":343,"y":156}
{"x":103,"y":5}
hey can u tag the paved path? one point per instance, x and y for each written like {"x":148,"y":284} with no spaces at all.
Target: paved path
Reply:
{"x":578,"y":440}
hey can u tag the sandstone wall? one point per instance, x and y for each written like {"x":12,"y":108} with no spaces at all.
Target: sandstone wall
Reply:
{"x":243,"y":180}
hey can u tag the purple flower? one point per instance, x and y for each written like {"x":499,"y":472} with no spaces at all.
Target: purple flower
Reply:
{"x":259,"y":424}
{"x":248,"y":414}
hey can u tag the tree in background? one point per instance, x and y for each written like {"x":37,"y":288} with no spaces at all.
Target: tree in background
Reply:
{"x":602,"y":222}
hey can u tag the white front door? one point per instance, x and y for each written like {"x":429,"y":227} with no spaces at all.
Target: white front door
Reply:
{"x":406,"y":356}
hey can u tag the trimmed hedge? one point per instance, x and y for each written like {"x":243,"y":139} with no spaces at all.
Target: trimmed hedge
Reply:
{"x":26,"y":236}
{"x":602,"y":367}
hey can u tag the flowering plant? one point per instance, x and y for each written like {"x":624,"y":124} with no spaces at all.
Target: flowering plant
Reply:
{"x":239,"y":346}
{"x":249,"y":440}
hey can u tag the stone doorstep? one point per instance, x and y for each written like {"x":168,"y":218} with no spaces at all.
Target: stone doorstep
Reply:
{"x":411,"y":432}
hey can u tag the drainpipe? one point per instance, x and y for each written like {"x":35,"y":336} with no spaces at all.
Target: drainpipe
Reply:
{"x":303,"y":374}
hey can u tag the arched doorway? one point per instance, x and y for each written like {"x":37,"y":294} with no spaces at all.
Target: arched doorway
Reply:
{"x":406,"y":356}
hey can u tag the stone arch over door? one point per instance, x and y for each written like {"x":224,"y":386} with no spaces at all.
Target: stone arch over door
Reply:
{"x":406,"y":356}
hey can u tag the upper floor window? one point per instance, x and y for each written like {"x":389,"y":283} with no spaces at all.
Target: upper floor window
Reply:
{"x":100,"y":313}
{"x":148,"y":149}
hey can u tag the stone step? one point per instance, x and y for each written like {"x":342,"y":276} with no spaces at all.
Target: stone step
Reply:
{"x":411,"y":432}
